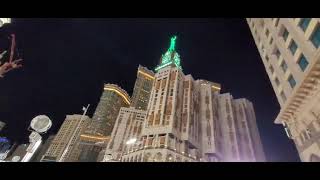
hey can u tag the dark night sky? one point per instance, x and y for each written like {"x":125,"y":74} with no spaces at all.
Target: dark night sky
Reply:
{"x":66,"y":62}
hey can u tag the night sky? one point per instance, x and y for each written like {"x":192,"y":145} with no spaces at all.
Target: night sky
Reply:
{"x":66,"y":62}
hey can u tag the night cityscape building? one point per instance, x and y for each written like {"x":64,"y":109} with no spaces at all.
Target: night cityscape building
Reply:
{"x":289,"y":48}
{"x":42,"y":149}
{"x":96,"y":136}
{"x":68,"y":131}
{"x":174,"y":117}
{"x":18,"y":153}
{"x":142,"y":88}
{"x":186,"y":120}
{"x":128,"y":125}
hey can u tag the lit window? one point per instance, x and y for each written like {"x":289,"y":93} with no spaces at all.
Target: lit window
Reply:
{"x":315,"y":37}
{"x":283,"y":96}
{"x":277,"y":81}
{"x":304,"y":23}
{"x":293,"y":47}
{"x":303,"y":63}
{"x":292,"y":82}
{"x":284,"y":66}
{"x":285,"y":34}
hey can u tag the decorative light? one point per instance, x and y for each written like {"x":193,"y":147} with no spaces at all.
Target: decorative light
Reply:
{"x":145,"y":74}
{"x":170,"y":57}
{"x":94,"y":137}
{"x":163,"y":65}
{"x":118,"y":92}
{"x":216,"y":87}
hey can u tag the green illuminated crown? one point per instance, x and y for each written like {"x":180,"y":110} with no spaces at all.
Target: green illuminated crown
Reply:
{"x":171,"y":57}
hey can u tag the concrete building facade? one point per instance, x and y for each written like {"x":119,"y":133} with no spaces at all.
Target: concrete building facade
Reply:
{"x":142,"y":88}
{"x":43,"y":149}
{"x":189,"y":120}
{"x":68,"y":131}
{"x":289,"y":48}
{"x":96,"y":136}
{"x":128,"y":125}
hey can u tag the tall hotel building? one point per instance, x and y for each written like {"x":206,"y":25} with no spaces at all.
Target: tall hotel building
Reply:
{"x":130,"y":120}
{"x":289,"y":48}
{"x":186,"y":120}
{"x":68,"y":131}
{"x":96,"y":135}
{"x":142,"y":88}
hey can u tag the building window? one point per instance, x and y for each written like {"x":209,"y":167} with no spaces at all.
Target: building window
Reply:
{"x":303,"y":63}
{"x":271,"y":40}
{"x":293,"y":47}
{"x":315,"y":37}
{"x":271,"y":69}
{"x":285,"y":34}
{"x":267,"y":32}
{"x":284,"y":66}
{"x":267,"y":58}
{"x":277,"y":81}
{"x":283,"y":96}
{"x":291,"y":81}
{"x":277,"y":53}
{"x":304,"y":23}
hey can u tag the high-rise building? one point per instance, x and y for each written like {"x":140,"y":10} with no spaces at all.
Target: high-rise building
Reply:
{"x":42,"y":149}
{"x":96,"y":135}
{"x":128,"y":126}
{"x":289,"y":48}
{"x":2,"y":125}
{"x":240,"y":136}
{"x":186,"y":120}
{"x":142,"y":88}
{"x":69,"y":131}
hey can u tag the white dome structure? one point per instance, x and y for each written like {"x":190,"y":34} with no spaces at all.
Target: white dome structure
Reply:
{"x":41,"y":123}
